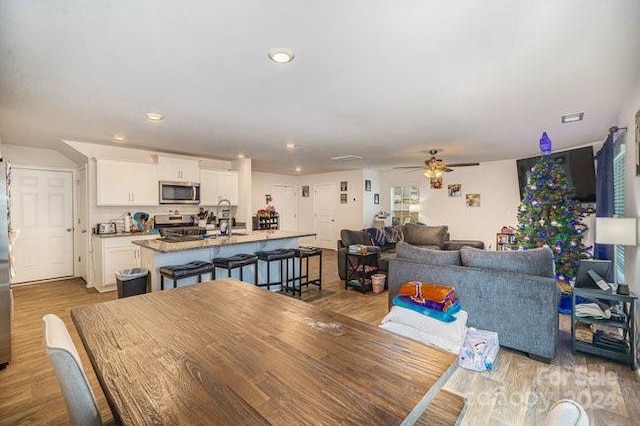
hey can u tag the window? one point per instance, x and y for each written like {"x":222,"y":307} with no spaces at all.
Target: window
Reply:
{"x":406,"y":204}
{"x":619,"y":202}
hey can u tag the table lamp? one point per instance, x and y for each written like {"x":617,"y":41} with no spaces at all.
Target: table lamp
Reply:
{"x":616,"y":231}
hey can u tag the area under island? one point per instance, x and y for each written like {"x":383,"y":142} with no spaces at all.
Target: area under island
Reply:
{"x":155,"y":254}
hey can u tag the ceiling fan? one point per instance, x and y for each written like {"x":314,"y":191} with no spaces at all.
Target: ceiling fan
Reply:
{"x":434,"y":167}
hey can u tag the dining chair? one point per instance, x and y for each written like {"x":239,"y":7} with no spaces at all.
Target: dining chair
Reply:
{"x":78,"y":396}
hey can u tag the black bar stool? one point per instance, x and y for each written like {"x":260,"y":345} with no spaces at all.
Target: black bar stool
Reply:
{"x":237,"y":261}
{"x":304,"y":253}
{"x":282,"y":255}
{"x":191,"y":269}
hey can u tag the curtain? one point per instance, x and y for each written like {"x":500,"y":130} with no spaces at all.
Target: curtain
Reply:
{"x":604,"y":193}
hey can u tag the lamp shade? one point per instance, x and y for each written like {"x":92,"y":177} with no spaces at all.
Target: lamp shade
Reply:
{"x":616,"y":230}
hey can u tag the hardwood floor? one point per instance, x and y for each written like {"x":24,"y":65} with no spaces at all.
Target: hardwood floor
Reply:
{"x":519,"y":391}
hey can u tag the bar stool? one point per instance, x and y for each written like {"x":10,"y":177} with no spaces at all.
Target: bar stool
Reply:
{"x":234,"y":262}
{"x":191,"y":269}
{"x":282,"y":255}
{"x":304,"y":253}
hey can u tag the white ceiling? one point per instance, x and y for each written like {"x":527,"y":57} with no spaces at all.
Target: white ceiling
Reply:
{"x":386,"y":80}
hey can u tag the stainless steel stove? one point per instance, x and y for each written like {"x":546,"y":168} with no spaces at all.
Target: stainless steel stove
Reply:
{"x":178,"y":228}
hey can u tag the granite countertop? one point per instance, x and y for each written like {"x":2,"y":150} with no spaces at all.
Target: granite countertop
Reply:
{"x":249,"y":237}
{"x":127,"y":234}
{"x":239,"y":227}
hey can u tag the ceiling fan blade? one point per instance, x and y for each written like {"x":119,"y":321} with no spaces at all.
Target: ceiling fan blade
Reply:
{"x":462,"y":164}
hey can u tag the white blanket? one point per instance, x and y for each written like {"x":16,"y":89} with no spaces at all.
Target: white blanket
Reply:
{"x":424,"y":329}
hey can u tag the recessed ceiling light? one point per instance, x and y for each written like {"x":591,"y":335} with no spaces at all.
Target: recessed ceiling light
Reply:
{"x":240,"y":155}
{"x":574,"y":116}
{"x":281,"y":55}
{"x":291,"y":145}
{"x":118,"y":138}
{"x":298,"y":169}
{"x":155,"y":116}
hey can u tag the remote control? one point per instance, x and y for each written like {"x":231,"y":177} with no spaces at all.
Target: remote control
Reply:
{"x":598,"y":280}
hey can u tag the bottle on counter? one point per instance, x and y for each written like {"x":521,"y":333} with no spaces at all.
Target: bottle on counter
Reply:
{"x":224,"y":227}
{"x":127,"y":222}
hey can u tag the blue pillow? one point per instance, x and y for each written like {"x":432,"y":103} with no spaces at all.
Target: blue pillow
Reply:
{"x":384,"y":236}
{"x":449,"y":316}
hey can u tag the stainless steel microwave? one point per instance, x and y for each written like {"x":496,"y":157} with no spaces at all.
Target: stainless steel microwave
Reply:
{"x":179,"y":193}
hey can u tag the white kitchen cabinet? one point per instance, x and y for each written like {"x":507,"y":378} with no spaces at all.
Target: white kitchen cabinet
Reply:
{"x":228,"y":186}
{"x":216,"y":185}
{"x":178,"y":169}
{"x":113,"y":254}
{"x":126,"y":183}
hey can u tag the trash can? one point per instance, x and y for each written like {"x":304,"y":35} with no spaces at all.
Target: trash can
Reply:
{"x":131,"y":282}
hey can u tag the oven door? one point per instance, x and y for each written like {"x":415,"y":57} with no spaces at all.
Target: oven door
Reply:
{"x":179,"y":193}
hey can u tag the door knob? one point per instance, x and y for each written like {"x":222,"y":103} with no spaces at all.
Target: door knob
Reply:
{"x":84,"y":231}
{"x":69,"y":229}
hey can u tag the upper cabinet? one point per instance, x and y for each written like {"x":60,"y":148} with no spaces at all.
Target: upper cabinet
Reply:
{"x":178,"y":169}
{"x":126,"y":183}
{"x":217,"y":185}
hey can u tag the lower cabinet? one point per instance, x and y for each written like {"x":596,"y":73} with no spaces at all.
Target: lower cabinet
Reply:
{"x":112,"y":254}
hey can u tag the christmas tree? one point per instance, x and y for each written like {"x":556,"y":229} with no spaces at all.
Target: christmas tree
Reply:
{"x":549,"y":215}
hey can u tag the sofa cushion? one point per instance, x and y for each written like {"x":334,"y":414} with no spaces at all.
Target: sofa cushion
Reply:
{"x":537,"y":261}
{"x":425,"y":255}
{"x":425,"y":235}
{"x":350,"y":238}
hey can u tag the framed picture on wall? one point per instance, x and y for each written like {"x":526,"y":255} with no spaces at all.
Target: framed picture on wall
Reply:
{"x":376,"y":198}
{"x":473,"y":200}
{"x":455,"y":190}
{"x":343,"y":186}
{"x":343,"y":198}
{"x":367,"y":185}
{"x":305,"y":191}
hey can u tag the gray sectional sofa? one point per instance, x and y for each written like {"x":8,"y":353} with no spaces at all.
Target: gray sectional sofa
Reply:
{"x":513,"y":293}
{"x":383,"y":241}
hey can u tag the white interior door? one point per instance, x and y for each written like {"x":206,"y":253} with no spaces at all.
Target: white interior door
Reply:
{"x":286,"y":203}
{"x":42,"y":212}
{"x":324,"y":208}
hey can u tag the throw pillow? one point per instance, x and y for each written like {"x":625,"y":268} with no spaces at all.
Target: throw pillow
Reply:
{"x":350,"y":238}
{"x":425,"y":255}
{"x":383,"y":236}
{"x":537,"y":261}
{"x":425,"y":235}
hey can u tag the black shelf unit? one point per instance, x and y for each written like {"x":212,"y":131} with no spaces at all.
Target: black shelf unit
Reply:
{"x":504,"y":240}
{"x":627,"y":326}
{"x":266,"y":222}
{"x":360,"y":267}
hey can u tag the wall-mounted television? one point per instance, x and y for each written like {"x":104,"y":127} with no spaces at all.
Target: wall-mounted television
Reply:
{"x":578,"y":164}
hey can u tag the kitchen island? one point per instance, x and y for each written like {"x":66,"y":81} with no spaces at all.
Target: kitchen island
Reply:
{"x":157,"y":253}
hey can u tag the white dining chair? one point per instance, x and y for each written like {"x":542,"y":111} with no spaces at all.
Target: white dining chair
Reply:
{"x":81,"y":403}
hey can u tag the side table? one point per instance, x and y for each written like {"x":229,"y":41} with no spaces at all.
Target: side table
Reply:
{"x":627,"y":326}
{"x":360,"y":267}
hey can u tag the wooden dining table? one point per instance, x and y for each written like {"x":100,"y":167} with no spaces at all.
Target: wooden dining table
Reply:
{"x":226,"y":352}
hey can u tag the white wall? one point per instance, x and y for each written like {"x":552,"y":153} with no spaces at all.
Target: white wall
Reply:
{"x":37,"y":157}
{"x":369,"y":209}
{"x":497,"y":184}
{"x":349,"y":215}
{"x":262,"y":184}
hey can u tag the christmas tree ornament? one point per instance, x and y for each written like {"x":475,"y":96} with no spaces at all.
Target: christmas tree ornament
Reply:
{"x":545,"y":144}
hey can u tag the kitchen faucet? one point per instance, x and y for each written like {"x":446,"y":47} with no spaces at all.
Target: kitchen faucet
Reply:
{"x":230,"y":220}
